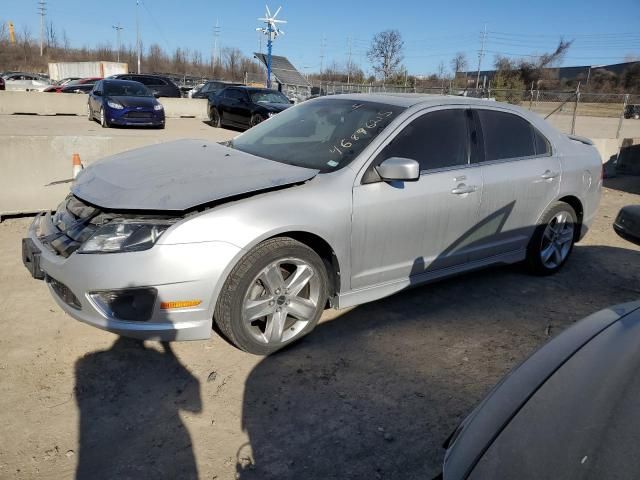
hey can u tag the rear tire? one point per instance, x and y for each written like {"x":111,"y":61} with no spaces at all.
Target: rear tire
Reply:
{"x":274,"y":296}
{"x":553,"y":239}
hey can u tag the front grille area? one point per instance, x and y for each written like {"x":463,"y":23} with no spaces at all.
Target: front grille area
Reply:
{"x":139,"y":115}
{"x":70,"y":226}
{"x":64,"y":293}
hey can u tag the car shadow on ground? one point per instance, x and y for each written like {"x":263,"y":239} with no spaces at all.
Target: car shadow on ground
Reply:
{"x":129,"y":398}
{"x":375,"y":392}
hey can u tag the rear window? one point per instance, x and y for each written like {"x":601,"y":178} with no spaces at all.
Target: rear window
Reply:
{"x":542,"y":145}
{"x":506,"y":135}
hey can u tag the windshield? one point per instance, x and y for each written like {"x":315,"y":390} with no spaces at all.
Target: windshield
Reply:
{"x":269,"y":97}
{"x":129,"y":89}
{"x":324,"y":134}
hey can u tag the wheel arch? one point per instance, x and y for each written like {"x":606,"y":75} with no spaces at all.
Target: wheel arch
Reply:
{"x":324,"y":250}
{"x":577,"y":206}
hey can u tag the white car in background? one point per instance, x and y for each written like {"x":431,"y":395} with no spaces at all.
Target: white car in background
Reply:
{"x":20,"y":81}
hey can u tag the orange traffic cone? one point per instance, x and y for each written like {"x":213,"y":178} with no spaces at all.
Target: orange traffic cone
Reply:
{"x":77,"y":164}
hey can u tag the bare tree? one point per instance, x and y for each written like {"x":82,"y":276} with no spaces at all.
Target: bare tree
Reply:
{"x":385,"y":53}
{"x":232,"y":57}
{"x":459,"y":63}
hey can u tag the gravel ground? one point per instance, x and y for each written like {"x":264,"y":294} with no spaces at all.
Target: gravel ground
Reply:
{"x":372,"y":393}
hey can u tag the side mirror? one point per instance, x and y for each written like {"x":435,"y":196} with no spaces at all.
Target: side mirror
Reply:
{"x":627,"y":223}
{"x":399,"y":169}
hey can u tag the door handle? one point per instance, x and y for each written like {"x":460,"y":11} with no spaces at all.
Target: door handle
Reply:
{"x":462,"y":189}
{"x":548,"y":175}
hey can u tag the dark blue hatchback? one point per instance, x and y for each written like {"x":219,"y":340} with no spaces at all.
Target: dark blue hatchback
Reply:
{"x":124,"y":102}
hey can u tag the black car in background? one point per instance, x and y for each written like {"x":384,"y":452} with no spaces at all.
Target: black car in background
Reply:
{"x":81,"y":88}
{"x":632,"y":111}
{"x":245,"y":107}
{"x":212,"y":87}
{"x":160,"y":85}
{"x":570,"y":411}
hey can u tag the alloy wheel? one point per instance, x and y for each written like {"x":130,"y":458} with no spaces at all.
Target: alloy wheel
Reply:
{"x":557,"y":240}
{"x":281,"y":301}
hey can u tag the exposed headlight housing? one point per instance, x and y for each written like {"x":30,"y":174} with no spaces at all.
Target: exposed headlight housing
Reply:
{"x":158,"y":106}
{"x":125,"y":236}
{"x":115,"y":105}
{"x":270,"y":114}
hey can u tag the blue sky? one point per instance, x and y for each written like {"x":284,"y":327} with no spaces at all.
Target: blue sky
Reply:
{"x":433,"y":31}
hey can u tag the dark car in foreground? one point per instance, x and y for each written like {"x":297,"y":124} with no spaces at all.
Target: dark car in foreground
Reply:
{"x":212,"y":87}
{"x":122,"y":102}
{"x":570,"y":411}
{"x":160,"y":85}
{"x":245,"y":107}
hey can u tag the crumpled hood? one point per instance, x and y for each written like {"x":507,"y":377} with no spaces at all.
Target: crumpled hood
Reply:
{"x":180,"y":175}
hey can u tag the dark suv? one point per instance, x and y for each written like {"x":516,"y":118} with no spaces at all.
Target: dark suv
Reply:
{"x":245,"y":107}
{"x":158,"y":84}
{"x":211,"y":88}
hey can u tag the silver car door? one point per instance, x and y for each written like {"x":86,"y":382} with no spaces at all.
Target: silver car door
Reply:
{"x":521,"y":178}
{"x":403,"y":229}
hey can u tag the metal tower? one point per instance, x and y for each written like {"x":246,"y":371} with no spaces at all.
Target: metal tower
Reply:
{"x":271,"y":31}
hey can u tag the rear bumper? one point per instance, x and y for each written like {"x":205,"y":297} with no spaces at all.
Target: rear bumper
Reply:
{"x":177,"y":272}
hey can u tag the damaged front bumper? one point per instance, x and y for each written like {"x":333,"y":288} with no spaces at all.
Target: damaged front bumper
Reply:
{"x":167,"y":275}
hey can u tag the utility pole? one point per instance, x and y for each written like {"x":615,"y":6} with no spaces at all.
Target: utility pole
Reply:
{"x":483,"y":37}
{"x":118,"y":28}
{"x":349,"y":62}
{"x":322,"y":45}
{"x":42,"y":9}
{"x":216,"y":54}
{"x":138,"y":32}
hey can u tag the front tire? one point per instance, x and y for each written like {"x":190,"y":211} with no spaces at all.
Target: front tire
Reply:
{"x":274,"y":296}
{"x":553,"y":239}
{"x":104,"y":123}
{"x":256,"y":119}
{"x":214,"y":118}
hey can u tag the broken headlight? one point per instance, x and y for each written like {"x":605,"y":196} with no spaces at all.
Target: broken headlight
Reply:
{"x":125,"y":236}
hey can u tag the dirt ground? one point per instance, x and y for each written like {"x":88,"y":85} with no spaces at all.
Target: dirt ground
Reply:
{"x":371,"y":394}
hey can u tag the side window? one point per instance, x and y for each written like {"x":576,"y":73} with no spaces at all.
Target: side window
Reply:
{"x":541,"y":144}
{"x":505,"y":135}
{"x":154,"y":81}
{"x":235,"y":94}
{"x":435,"y":140}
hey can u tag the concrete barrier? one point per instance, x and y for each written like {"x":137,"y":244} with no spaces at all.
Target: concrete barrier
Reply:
{"x":185,"y":107}
{"x":41,"y":103}
{"x":31,"y":163}
{"x":607,"y":147}
{"x":36,"y":103}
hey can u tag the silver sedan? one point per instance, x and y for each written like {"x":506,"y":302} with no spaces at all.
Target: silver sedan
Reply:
{"x":335,"y":202}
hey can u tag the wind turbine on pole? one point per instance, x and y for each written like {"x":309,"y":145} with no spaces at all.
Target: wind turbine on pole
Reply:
{"x":272,"y":32}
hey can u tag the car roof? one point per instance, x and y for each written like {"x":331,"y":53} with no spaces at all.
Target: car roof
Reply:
{"x":117,"y":80}
{"x":408,"y":100}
